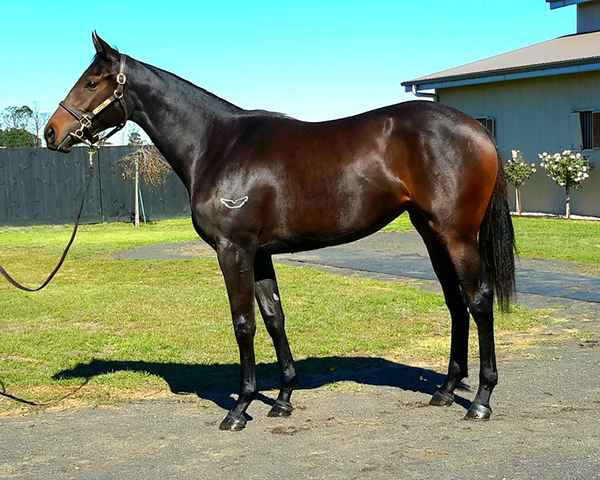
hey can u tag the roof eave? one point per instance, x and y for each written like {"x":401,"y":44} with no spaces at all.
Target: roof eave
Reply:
{"x":502,"y":76}
{"x":554,"y":4}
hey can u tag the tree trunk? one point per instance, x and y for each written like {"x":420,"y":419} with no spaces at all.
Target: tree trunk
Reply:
{"x":568,"y":204}
{"x":518,"y":201}
{"x":136,"y":203}
{"x":143,"y":210}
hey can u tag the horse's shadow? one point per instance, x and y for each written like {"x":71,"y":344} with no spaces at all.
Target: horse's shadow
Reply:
{"x":215,"y":382}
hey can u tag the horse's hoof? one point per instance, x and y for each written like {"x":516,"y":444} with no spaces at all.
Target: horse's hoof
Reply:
{"x":478,"y":412}
{"x":233,"y":424}
{"x":281,"y":409}
{"x":442,"y":399}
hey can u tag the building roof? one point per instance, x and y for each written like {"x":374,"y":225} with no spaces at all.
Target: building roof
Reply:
{"x":565,"y":3}
{"x":569,"y":54}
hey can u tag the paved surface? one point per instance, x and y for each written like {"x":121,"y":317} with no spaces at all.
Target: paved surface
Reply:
{"x":361,"y":418}
{"x":404,"y":255}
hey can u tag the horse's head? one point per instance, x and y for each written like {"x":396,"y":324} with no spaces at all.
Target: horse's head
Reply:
{"x":95,"y":103}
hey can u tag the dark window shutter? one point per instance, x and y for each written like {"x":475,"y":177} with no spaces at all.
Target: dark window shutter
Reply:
{"x":587,"y":130}
{"x":596,"y":130}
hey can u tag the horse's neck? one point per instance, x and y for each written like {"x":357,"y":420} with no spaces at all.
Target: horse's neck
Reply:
{"x":177,"y":116}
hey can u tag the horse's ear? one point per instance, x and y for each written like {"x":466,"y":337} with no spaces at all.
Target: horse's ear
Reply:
{"x":101,"y":46}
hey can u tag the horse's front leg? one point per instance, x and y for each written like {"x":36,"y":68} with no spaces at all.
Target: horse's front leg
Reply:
{"x":237,"y":265}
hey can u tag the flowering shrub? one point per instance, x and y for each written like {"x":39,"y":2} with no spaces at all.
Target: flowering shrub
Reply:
{"x":517,"y":173}
{"x":517,"y":170}
{"x":568,"y":169}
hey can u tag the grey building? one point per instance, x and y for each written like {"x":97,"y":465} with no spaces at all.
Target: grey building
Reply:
{"x":540,"y":98}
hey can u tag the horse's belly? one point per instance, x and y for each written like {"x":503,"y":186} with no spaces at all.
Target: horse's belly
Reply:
{"x":316,"y":223}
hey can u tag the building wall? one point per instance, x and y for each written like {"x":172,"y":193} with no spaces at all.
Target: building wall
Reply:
{"x":534,"y":116}
{"x":588,"y":17}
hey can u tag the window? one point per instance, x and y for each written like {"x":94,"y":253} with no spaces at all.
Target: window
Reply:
{"x":590,"y":129}
{"x":488,"y":123}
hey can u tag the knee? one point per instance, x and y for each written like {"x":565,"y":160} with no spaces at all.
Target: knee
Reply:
{"x":481,"y":304}
{"x":245,"y":326}
{"x":268,"y":301}
{"x":273,"y":317}
{"x":274,"y":324}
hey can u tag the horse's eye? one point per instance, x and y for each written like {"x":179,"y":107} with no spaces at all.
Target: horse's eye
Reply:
{"x":91,"y":85}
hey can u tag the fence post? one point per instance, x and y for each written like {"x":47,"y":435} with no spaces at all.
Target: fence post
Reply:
{"x":100,"y":192}
{"x":136,"y":203}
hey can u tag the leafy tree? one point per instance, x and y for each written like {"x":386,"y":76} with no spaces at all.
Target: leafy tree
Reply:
{"x":517,"y":173}
{"x":17,"y":137}
{"x":569,"y":170}
{"x":16,"y":120}
{"x":151,"y":166}
{"x":38,"y":119}
{"x":17,"y":117}
{"x":145,"y":163}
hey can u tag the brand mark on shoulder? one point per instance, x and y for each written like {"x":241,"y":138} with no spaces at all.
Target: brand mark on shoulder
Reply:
{"x":239,"y":203}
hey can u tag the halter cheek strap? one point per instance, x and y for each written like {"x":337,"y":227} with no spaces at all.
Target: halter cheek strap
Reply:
{"x":86,"y":119}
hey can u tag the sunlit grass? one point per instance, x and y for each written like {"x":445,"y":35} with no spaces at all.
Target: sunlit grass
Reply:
{"x":176,"y":311}
{"x":400,"y":224}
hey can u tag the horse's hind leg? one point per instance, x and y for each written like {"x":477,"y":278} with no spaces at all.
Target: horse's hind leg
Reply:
{"x":455,"y":301}
{"x":269,"y":302}
{"x":471,"y":272}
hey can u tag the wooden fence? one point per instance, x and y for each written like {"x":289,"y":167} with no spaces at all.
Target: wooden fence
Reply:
{"x":38,"y":186}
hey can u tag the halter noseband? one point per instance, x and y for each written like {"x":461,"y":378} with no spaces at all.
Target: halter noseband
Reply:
{"x":86,"y":119}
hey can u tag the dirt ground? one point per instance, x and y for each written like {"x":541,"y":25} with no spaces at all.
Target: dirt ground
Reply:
{"x":361,"y":418}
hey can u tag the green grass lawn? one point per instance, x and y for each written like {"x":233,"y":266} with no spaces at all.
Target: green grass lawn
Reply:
{"x":558,"y":239}
{"x":177,"y":311}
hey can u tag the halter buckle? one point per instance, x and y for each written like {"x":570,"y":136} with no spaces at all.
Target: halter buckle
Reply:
{"x":85,"y":121}
{"x":78,"y":133}
{"x":118,"y":94}
{"x":121,"y":78}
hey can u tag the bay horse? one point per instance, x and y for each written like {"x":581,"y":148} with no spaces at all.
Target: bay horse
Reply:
{"x":262,"y":183}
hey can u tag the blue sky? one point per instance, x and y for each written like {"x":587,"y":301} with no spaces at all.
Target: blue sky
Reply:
{"x":312,"y":59}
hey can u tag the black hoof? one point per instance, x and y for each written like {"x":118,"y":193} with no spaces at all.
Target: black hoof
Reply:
{"x":233,"y":424}
{"x":478,"y":412}
{"x":442,"y":399}
{"x":281,"y":409}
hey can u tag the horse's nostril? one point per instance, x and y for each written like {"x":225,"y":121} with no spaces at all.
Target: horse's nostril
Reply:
{"x":50,"y":135}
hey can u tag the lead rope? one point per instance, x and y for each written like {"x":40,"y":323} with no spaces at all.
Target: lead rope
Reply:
{"x":20,"y":286}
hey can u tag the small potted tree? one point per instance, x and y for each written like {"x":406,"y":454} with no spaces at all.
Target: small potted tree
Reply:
{"x":568,"y":169}
{"x":517,"y":173}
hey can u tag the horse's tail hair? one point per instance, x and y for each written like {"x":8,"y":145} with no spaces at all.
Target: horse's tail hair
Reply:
{"x":497,"y":243}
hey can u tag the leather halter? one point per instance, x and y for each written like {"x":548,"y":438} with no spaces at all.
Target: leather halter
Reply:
{"x":86,"y":119}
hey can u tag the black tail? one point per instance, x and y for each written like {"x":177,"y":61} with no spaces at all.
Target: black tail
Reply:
{"x":497,"y":244}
